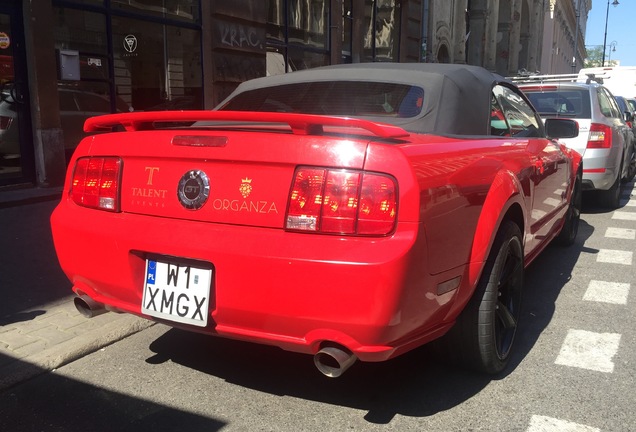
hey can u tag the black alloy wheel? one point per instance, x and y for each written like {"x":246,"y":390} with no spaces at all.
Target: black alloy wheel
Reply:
{"x":631,"y":169}
{"x":611,"y":198}
{"x":484,"y":334}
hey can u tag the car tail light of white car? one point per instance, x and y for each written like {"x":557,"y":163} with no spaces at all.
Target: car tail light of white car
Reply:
{"x":600,"y":137}
{"x":96,"y":182}
{"x":342,"y":202}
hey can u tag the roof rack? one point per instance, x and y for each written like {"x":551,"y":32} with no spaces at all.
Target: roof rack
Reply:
{"x":557,"y":78}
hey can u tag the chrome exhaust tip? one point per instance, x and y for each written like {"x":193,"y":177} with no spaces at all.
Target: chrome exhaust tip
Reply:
{"x":88,"y":307}
{"x":333,"y":361}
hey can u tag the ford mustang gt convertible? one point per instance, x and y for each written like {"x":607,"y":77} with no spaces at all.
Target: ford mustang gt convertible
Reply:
{"x":346,"y":212}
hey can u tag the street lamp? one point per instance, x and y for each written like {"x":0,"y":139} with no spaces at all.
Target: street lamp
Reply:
{"x":614,"y":3}
{"x":612,"y":48}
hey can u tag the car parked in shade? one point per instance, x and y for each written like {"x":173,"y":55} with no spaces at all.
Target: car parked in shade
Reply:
{"x":605,"y":140}
{"x":75,"y":105}
{"x":346,"y":212}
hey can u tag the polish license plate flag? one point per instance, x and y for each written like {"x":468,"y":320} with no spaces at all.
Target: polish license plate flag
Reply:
{"x":177,"y":292}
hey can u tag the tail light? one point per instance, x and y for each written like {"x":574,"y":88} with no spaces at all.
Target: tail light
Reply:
{"x":96,"y":182}
{"x":342,"y":202}
{"x":600,"y":137}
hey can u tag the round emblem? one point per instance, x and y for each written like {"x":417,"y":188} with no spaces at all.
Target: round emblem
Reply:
{"x":130,"y":43}
{"x":194,"y":189}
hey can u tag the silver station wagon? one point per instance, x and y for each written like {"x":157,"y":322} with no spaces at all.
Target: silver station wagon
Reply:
{"x":605,"y":140}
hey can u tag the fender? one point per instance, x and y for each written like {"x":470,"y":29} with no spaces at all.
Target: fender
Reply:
{"x":504,"y":194}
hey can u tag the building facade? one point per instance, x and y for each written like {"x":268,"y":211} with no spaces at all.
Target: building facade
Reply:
{"x":62,"y":61}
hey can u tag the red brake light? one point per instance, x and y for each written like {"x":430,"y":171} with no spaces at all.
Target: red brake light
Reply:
{"x":600,"y":137}
{"x":342,"y":202}
{"x":541,"y":88}
{"x":96,"y":182}
{"x":378,"y":205}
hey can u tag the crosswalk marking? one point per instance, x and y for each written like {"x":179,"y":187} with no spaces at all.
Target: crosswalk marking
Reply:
{"x":614,"y":256}
{"x":607,"y":292}
{"x":622,"y":215}
{"x":589,"y":350}
{"x":553,"y":202}
{"x":621,"y":233}
{"x":548,"y":424}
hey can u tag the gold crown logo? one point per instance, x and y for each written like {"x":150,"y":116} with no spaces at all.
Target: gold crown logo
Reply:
{"x":246,"y":187}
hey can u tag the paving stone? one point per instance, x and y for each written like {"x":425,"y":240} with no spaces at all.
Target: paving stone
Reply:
{"x":51,"y":334}
{"x":16,"y":339}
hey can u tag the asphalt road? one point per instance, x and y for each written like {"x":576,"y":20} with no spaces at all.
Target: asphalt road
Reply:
{"x":29,"y":272}
{"x":574,"y":369}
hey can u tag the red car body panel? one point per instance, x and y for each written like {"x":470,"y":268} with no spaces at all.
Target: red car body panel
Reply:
{"x":378,"y":296}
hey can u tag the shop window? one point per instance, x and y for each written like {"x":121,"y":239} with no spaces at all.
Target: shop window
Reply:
{"x":157,"y":66}
{"x":308,"y":22}
{"x":303,"y":59}
{"x":382,"y":22}
{"x":80,"y":30}
{"x":150,"y":65}
{"x":276,"y":20}
{"x":297,"y":33}
{"x":87,"y":2}
{"x":347,"y":27}
{"x":182,"y":10}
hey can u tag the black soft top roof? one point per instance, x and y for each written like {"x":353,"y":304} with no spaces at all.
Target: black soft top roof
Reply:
{"x":456,"y":97}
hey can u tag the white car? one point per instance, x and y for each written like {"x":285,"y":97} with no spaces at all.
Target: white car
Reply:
{"x":605,"y":140}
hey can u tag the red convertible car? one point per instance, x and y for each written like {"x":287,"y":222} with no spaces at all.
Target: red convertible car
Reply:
{"x":347,"y":212}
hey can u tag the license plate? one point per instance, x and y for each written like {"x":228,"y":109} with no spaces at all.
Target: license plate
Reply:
{"x":177,"y":292}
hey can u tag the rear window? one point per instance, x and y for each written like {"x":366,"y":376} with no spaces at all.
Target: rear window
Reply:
{"x":567,"y":103}
{"x":342,"y":98}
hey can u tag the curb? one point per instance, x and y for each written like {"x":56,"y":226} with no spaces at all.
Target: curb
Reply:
{"x":18,"y":197}
{"x":63,"y":353}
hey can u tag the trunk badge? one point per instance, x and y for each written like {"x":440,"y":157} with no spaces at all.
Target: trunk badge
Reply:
{"x":194,"y":189}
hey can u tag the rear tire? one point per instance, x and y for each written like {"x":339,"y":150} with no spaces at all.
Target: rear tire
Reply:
{"x":483,"y":337}
{"x":631,"y":170}
{"x":611,"y":198}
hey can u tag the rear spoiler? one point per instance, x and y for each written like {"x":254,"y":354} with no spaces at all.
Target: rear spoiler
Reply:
{"x":301,"y":124}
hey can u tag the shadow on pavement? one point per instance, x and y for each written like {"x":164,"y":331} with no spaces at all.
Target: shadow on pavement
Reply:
{"x":30,"y":275}
{"x":420,"y":383}
{"x":55,"y":403}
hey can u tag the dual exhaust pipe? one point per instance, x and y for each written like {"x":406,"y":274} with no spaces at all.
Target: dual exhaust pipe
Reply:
{"x":88,"y":307}
{"x":332,"y":360}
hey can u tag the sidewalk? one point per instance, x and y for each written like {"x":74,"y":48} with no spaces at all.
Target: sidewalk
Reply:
{"x":47,"y":336}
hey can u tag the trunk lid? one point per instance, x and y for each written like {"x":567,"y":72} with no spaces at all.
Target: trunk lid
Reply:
{"x":222,"y":174}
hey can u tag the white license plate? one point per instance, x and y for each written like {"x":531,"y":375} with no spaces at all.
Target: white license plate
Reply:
{"x":177,"y":292}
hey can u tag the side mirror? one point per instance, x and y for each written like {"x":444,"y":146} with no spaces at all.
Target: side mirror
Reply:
{"x":561,"y":128}
{"x":629,"y":117}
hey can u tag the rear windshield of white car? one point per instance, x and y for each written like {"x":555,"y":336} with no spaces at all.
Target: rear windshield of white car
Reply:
{"x":342,"y":98}
{"x":562,"y":103}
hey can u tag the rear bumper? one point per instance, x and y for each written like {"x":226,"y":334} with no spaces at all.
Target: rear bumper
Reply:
{"x":599,"y":181}
{"x":296,"y":291}
{"x":600,"y":169}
